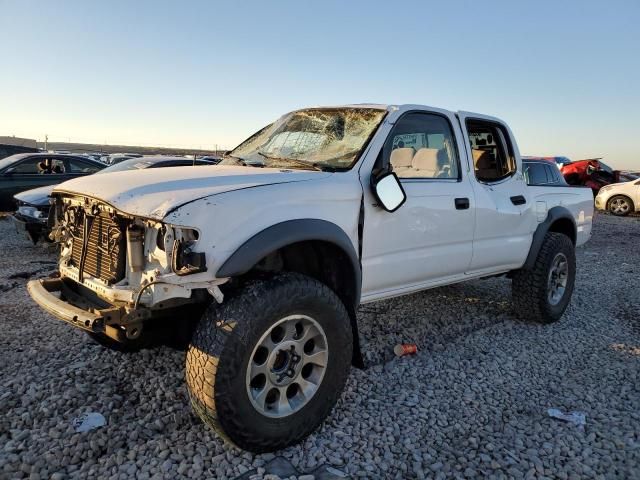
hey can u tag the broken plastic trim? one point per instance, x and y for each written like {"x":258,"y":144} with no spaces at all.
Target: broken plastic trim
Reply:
{"x":186,"y":262}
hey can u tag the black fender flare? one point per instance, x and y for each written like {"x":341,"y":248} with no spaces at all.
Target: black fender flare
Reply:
{"x":554,"y":214}
{"x":287,"y":233}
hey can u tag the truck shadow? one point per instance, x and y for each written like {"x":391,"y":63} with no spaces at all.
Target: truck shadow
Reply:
{"x":432,"y":318}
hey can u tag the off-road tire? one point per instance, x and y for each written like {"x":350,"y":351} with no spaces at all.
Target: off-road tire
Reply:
{"x":222,"y":346}
{"x":626,"y":199}
{"x":529,"y":286}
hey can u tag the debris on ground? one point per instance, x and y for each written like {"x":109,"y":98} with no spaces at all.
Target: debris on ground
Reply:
{"x":89,"y":421}
{"x":577,"y":418}
{"x":403,"y":349}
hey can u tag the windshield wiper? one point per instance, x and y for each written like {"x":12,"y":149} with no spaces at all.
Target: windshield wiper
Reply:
{"x":302,"y":163}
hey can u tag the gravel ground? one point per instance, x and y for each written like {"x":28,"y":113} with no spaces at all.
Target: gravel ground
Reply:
{"x":471,"y":403}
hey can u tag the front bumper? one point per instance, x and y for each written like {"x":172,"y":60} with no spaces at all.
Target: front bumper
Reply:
{"x":43,"y":293}
{"x":115,"y":322}
{"x":600,"y":203}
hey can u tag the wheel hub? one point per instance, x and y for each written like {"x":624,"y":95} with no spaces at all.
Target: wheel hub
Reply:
{"x":285,"y":364}
{"x":620,"y":205}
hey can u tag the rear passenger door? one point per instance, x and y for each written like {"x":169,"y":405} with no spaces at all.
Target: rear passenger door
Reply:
{"x":429,"y":238}
{"x":503,"y":216}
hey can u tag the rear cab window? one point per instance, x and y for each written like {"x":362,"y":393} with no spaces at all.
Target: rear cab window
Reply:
{"x":491,"y":149}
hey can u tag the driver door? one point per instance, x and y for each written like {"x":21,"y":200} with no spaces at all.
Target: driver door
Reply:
{"x":429,"y":239}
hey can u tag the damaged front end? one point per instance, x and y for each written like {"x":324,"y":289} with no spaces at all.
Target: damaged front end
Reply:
{"x":117,"y":272}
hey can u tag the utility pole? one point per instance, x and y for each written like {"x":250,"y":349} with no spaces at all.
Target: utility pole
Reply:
{"x":46,"y":140}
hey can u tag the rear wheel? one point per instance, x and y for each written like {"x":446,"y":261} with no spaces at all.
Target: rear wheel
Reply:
{"x":620,"y":205}
{"x":543,"y":292}
{"x":265,"y":368}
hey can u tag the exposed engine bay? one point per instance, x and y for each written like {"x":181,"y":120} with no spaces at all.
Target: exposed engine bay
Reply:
{"x":124,"y":269}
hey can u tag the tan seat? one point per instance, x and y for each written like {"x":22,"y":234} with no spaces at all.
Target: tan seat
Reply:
{"x":401,"y":160}
{"x":484,"y":164}
{"x":425,"y":163}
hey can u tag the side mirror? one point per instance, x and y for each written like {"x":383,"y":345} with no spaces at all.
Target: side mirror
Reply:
{"x":389,"y":192}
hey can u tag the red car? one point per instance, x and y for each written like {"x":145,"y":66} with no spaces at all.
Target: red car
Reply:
{"x":592,"y":173}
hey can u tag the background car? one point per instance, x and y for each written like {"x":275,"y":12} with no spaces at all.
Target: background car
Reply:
{"x":559,"y":161}
{"x":541,"y":172}
{"x":29,"y":170}
{"x":619,"y":198}
{"x":115,"y":158}
{"x":592,"y":173}
{"x":33,"y":205}
{"x":211,"y":158}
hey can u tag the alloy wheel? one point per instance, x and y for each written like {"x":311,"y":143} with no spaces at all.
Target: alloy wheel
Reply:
{"x":286,"y":366}
{"x":557,"y":280}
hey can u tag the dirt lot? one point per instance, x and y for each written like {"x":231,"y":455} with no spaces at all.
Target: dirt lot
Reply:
{"x":472,"y":403}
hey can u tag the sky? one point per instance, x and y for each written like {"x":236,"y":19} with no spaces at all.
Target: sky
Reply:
{"x":565,"y":75}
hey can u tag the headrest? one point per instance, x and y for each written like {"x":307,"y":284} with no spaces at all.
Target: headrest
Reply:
{"x":426,"y":159}
{"x":481,"y":159}
{"x":401,"y":157}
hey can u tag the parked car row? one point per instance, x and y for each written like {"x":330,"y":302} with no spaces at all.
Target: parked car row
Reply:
{"x":620,"y":198}
{"x":33,"y":205}
{"x":24,"y":171}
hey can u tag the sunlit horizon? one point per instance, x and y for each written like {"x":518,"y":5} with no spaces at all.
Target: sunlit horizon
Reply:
{"x":206,"y":75}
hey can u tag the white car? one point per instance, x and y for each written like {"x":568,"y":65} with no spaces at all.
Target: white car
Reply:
{"x":265,"y":257}
{"x":619,"y":198}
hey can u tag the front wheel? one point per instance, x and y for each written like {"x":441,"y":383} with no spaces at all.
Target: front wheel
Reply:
{"x":543,"y":292}
{"x":620,"y":206}
{"x":265,"y":368}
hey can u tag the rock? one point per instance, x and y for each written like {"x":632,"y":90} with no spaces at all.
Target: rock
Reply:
{"x":471,"y":403}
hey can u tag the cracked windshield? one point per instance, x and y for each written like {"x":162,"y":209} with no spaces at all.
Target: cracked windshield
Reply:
{"x":316,"y":139}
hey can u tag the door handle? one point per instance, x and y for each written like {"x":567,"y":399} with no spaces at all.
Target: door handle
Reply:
{"x":462,"y":203}
{"x":518,"y":200}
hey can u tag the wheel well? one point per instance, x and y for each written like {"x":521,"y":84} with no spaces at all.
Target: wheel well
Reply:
{"x":564,"y":226}
{"x":325,"y":262}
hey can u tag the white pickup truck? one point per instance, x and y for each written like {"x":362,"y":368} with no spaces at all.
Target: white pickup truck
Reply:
{"x":265,"y":258}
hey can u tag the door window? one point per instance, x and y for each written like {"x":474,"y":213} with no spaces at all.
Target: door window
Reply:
{"x":553,"y":174}
{"x":78,"y":166}
{"x":493,"y":156}
{"x":40,"y":166}
{"x":535,"y":173}
{"x":28,"y":166}
{"x":422,"y":145}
